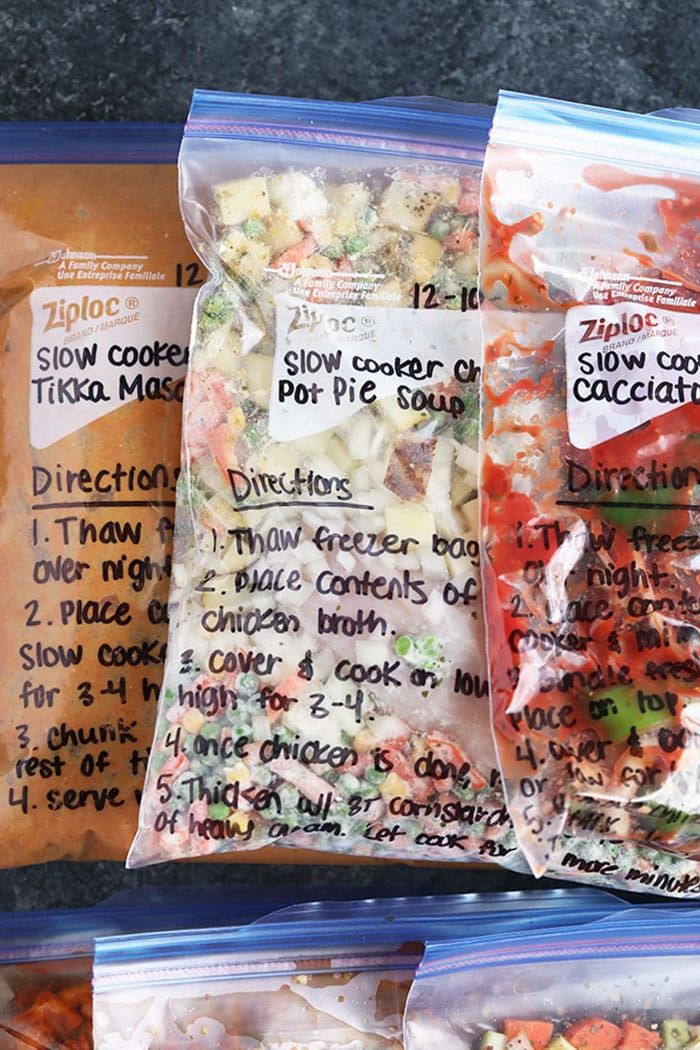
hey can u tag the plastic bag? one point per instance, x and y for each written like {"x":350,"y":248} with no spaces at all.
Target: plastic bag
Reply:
{"x":325,"y":685}
{"x":315,"y":976}
{"x":96,"y":289}
{"x":433,"y":917}
{"x":46,"y":958}
{"x":590,"y":271}
{"x":627,"y":983}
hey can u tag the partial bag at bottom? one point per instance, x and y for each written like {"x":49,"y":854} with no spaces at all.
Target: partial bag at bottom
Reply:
{"x":323,"y":975}
{"x":626,"y":983}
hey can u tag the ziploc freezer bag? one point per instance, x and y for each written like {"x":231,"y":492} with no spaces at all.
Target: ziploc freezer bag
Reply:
{"x":626,"y":983}
{"x":317,"y":976}
{"x":590,"y":272}
{"x":325,"y":684}
{"x":46,"y":958}
{"x":97,"y":282}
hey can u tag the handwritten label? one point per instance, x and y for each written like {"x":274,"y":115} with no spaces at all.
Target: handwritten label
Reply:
{"x":627,"y":363}
{"x":94,"y":349}
{"x":332,"y":360}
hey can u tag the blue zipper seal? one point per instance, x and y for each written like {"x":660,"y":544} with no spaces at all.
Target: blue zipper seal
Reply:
{"x":86,"y":142}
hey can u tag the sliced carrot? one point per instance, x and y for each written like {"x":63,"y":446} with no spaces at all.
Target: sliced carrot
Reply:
{"x":538,"y":1033}
{"x":634,"y":1037}
{"x":593,"y":1033}
{"x":288,"y":687}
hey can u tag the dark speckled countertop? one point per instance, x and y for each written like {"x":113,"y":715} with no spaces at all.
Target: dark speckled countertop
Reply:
{"x":107,"y":59}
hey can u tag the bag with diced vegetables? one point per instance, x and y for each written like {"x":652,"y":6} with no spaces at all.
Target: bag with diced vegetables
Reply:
{"x":325,"y":684}
{"x":626,"y":983}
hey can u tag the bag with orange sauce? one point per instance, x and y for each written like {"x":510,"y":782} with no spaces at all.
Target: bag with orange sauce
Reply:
{"x":96,"y":287}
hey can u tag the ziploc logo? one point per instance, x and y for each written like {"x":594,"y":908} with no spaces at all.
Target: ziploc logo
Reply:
{"x":65,"y":314}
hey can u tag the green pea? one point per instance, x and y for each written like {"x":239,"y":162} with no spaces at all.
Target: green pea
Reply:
{"x":430,"y":646}
{"x":210,"y":731}
{"x":403,"y":646}
{"x":253,"y":228}
{"x":212,"y":759}
{"x":334,"y":251}
{"x":247,"y":684}
{"x":439,"y":229}
{"x":261,"y":775}
{"x":218,"y":811}
{"x":356,"y":244}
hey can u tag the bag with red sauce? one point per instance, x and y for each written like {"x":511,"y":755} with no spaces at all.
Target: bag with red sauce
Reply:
{"x":590,"y":268}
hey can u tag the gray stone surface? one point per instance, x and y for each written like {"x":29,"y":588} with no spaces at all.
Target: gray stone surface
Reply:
{"x":139,"y":61}
{"x":107,"y":59}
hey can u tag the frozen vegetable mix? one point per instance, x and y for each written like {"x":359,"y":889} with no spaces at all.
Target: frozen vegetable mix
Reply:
{"x":591,"y":277}
{"x":325,"y":684}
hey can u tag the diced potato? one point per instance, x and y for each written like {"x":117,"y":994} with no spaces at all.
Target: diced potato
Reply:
{"x":193,"y":721}
{"x":466,"y":264}
{"x":321,"y":230}
{"x":364,"y":740}
{"x":468,"y":459}
{"x":315,"y":262}
{"x":278,"y":458}
{"x":407,"y":205}
{"x":213,"y":599}
{"x":233,"y":561}
{"x":221,"y":510}
{"x":256,"y":372}
{"x":297,"y":195}
{"x":406,"y":520}
{"x":450,"y":191}
{"x":394,"y":787}
{"x":238,"y":773}
{"x":402,"y":418}
{"x":242,"y":199}
{"x":243,"y":256}
{"x":282,"y":232}
{"x":493,"y":1041}
{"x":470,"y":513}
{"x":389,"y":293}
{"x":338,"y":452}
{"x":219,"y":351}
{"x":461,"y":487}
{"x":424,"y":254}
{"x":348,"y":201}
